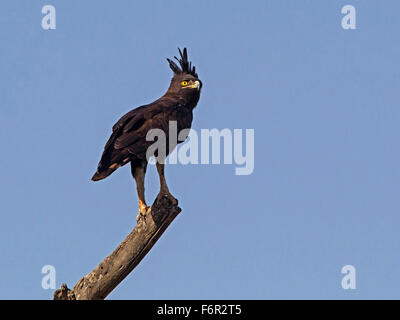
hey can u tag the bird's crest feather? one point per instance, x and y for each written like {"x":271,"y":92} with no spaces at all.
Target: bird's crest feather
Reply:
{"x":185,"y":64}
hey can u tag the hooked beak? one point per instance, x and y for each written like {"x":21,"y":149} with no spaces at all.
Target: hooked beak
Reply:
{"x":196,"y":85}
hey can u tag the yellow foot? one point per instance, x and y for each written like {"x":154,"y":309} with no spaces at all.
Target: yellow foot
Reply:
{"x":143,"y":208}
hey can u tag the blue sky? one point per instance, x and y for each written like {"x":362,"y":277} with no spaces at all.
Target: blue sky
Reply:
{"x":323,"y":102}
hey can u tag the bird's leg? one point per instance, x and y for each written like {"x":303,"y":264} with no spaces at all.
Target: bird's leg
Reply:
{"x":163,"y":184}
{"x":138,"y":172}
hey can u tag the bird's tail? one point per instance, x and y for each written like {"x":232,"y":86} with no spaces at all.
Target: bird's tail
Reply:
{"x":100,"y":175}
{"x":110,"y":161}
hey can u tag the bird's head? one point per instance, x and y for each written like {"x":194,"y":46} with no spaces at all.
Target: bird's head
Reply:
{"x":185,"y":81}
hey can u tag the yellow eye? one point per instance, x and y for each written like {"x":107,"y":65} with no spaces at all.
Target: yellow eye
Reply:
{"x":184,"y":83}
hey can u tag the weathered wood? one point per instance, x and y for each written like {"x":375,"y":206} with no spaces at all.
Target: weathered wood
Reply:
{"x":113,"y":269}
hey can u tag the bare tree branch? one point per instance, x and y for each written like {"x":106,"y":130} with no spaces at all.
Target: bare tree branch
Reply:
{"x":113,"y":269}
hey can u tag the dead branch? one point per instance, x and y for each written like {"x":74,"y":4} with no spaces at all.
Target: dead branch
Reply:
{"x":113,"y":269}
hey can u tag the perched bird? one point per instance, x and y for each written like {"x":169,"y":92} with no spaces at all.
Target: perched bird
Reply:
{"x":128,"y":144}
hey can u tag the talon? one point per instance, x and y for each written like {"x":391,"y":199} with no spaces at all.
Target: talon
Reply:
{"x":173,"y":200}
{"x":169,"y":196}
{"x":143,"y":208}
{"x":139,"y":217}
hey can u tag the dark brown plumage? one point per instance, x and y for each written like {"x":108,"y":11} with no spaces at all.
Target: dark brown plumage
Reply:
{"x":127,"y":143}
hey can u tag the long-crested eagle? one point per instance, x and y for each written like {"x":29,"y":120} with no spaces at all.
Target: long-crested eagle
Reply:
{"x":128,"y":143}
